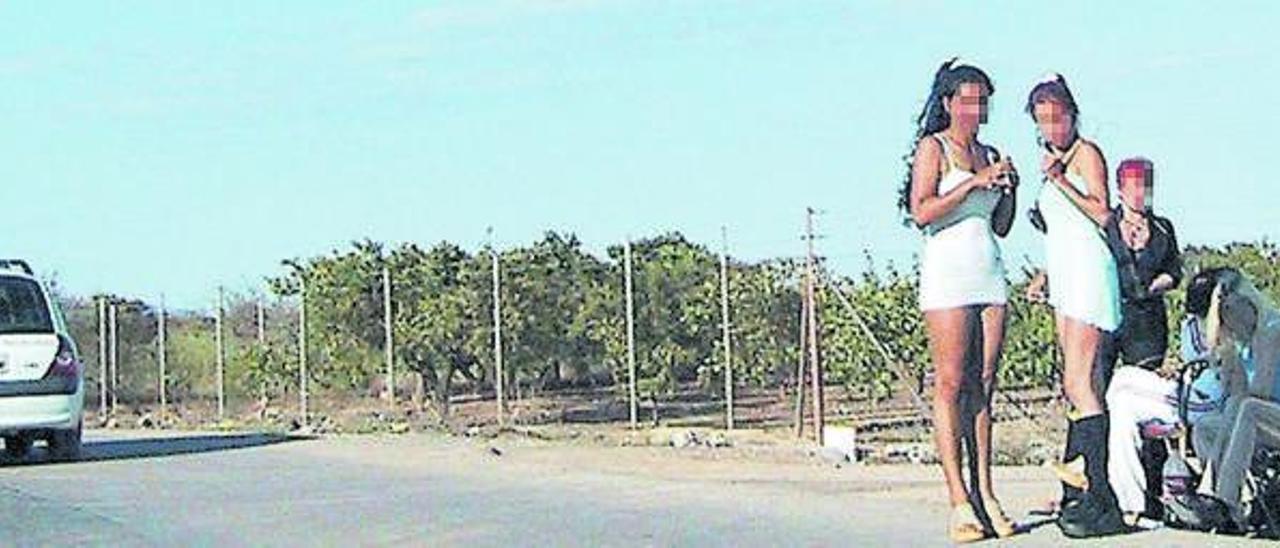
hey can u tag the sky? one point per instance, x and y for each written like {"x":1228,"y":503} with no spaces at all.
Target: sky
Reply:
{"x":170,"y":147}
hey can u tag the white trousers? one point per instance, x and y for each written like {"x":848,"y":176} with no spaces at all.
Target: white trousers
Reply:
{"x":1134,"y":396}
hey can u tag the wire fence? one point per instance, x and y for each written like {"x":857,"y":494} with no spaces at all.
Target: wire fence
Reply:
{"x":660,"y":331}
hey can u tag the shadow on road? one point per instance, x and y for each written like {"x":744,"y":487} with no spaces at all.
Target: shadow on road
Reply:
{"x":1033,"y":524}
{"x":143,"y":448}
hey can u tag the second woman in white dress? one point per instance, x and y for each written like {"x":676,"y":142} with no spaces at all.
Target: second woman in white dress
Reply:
{"x":1084,"y":292}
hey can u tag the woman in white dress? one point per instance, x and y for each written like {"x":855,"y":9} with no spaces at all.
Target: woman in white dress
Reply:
{"x":1083,"y":290}
{"x":960,"y":193}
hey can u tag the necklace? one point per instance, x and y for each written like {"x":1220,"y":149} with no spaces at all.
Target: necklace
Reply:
{"x":1135,"y":230}
{"x":968,"y":149}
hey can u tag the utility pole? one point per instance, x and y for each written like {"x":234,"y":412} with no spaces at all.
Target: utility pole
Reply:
{"x":160,"y":352}
{"x":810,"y":303}
{"x":302,"y":347}
{"x":631,"y":333}
{"x":115,"y":358}
{"x":220,"y":356}
{"x":724,"y":325}
{"x":262,"y":323}
{"x":386,"y":328}
{"x":804,"y":338}
{"x":102,"y":355}
{"x":500,"y":372}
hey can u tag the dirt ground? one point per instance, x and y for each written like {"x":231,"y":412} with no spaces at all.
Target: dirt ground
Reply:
{"x":585,"y":437}
{"x":166,"y":487}
{"x":1029,"y":428}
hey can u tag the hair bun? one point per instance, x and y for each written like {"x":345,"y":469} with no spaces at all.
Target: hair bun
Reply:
{"x":1051,"y":77}
{"x":946,"y":67}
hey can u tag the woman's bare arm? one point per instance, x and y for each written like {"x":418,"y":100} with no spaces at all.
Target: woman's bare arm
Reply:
{"x":1090,"y":164}
{"x":927,"y":205}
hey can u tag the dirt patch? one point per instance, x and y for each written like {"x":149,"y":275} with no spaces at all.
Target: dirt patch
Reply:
{"x":1029,"y":427}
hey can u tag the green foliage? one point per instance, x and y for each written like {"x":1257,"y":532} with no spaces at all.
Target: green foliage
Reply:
{"x":1030,"y":349}
{"x":886,"y":301}
{"x":764,"y":307}
{"x":676,"y":308}
{"x":191,"y":358}
{"x":563,"y":322}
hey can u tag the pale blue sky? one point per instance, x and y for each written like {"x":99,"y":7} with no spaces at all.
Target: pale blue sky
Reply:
{"x":168,"y":147}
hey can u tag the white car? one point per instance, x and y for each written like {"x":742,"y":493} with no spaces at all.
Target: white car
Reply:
{"x":41,"y":376}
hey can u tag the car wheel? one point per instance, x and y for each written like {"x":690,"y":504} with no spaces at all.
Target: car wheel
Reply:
{"x":17,"y":446}
{"x":65,"y":444}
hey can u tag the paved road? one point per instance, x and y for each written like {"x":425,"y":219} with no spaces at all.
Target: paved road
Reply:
{"x":164,"y":489}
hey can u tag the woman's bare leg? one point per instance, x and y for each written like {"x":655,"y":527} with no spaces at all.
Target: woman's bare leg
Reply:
{"x":993,"y":326}
{"x":949,"y":331}
{"x":1079,"y":350}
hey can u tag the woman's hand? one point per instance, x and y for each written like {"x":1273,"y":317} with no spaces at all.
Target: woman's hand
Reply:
{"x":1052,"y":167}
{"x":995,"y":175}
{"x":1161,"y":284}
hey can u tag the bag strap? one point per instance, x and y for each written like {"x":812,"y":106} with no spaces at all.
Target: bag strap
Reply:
{"x":1066,"y":155}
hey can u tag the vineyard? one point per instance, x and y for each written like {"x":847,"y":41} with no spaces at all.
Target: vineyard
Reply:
{"x":563,"y":326}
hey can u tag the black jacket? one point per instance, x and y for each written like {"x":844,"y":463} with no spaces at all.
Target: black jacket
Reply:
{"x":1137,"y":269}
{"x":1143,"y":334}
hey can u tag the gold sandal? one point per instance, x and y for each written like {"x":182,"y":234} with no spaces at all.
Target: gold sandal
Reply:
{"x":1071,"y":473}
{"x":1000,"y":521}
{"x":965,"y":526}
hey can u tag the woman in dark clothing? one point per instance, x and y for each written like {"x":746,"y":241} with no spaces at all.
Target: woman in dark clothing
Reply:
{"x":1148,"y":265}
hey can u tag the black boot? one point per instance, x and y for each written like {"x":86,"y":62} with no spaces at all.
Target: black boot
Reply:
{"x":1070,"y":493}
{"x":1096,"y":513}
{"x":1153,"y":454}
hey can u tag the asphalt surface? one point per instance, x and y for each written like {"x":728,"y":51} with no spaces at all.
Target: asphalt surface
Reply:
{"x":202,"y":489}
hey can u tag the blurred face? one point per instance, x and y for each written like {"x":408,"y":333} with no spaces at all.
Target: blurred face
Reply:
{"x":1135,"y":187}
{"x":968,"y":107}
{"x":1055,"y":122}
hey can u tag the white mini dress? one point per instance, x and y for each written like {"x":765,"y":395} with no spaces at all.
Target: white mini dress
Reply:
{"x":961,"y":264}
{"x":1082,"y":272}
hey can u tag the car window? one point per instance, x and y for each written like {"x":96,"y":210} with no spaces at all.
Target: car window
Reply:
{"x":22,"y":307}
{"x":59,"y":319}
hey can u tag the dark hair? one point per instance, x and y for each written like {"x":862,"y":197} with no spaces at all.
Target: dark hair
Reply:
{"x":934,"y":117}
{"x":1052,"y":88}
{"x":1200,"y":288}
